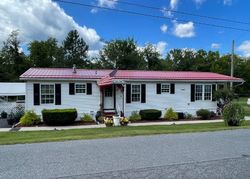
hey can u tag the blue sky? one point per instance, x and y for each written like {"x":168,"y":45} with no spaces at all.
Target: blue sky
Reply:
{"x":40,"y":19}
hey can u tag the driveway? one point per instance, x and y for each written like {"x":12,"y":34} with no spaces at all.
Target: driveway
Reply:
{"x":224,"y":154}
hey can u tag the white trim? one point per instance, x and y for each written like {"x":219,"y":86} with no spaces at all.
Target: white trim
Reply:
{"x":41,"y":93}
{"x":139,"y":93}
{"x":81,"y":88}
{"x":169,"y":89}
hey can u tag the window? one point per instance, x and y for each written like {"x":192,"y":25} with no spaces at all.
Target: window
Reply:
{"x":198,"y":92}
{"x":165,"y":88}
{"x":80,"y":88}
{"x":47,"y":94}
{"x":108,"y":92}
{"x":207,"y":92}
{"x":136,"y":93}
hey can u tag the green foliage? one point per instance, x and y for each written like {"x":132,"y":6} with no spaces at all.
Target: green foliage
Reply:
{"x":135,"y":116}
{"x":150,"y":114}
{"x":87,"y":118}
{"x":45,"y":53}
{"x":59,"y":116}
{"x":233,"y":114}
{"x":152,"y":57}
{"x":4,"y":114}
{"x":122,"y":54}
{"x":170,"y":114}
{"x":75,"y":49}
{"x":204,"y":114}
{"x":188,"y":116}
{"x":30,"y":118}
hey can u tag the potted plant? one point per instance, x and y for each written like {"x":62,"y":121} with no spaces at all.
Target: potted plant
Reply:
{"x":4,"y":115}
{"x":108,"y":122}
{"x":124,"y":121}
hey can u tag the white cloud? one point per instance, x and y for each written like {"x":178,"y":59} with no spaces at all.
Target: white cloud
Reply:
{"x":161,"y":47}
{"x":104,"y":3}
{"x":38,"y":20}
{"x":215,"y":46}
{"x":245,"y":48}
{"x":184,"y":30}
{"x":227,"y":2}
{"x":173,"y":4}
{"x":164,"y":28}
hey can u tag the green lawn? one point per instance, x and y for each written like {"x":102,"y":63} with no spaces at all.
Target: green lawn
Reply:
{"x":243,"y":102}
{"x":76,"y":134}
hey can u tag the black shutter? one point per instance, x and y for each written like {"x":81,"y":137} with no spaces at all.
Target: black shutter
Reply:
{"x":192,"y":92}
{"x":213,"y":91}
{"x":72,"y":88}
{"x":58,"y":94}
{"x":158,"y":88}
{"x":36,"y":93}
{"x":172,"y":88}
{"x":128,"y":93}
{"x":89,"y":88}
{"x":143,"y":93}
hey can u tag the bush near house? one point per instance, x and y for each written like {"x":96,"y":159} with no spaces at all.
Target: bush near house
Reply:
{"x":233,"y":114}
{"x":30,"y":118}
{"x":150,"y":114}
{"x":135,"y":116}
{"x":59,"y":116}
{"x":170,"y":114}
{"x":4,"y":114}
{"x":87,"y":118}
{"x":204,"y":114}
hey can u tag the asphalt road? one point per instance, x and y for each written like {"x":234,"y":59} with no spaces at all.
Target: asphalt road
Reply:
{"x":224,"y":154}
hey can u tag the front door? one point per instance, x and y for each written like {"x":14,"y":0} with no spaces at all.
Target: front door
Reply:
{"x":108,"y":97}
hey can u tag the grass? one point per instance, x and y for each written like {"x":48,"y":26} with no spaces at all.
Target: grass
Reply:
{"x":77,"y":134}
{"x":243,"y":102}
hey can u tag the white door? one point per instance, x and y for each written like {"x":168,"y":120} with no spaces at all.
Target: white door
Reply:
{"x":108,"y":98}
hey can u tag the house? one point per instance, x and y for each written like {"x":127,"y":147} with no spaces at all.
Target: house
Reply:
{"x":11,"y":96}
{"x":121,"y":90}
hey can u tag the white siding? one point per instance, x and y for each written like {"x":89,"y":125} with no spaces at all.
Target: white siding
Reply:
{"x":82,"y":102}
{"x":180,"y":101}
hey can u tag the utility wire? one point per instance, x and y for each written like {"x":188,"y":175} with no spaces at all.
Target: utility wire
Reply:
{"x":179,"y":12}
{"x":150,"y":15}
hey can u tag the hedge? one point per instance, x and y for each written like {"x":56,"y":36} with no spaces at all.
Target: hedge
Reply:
{"x":59,"y":116}
{"x":150,"y":114}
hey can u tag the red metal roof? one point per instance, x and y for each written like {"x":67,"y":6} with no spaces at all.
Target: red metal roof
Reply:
{"x":104,"y":75}
{"x":64,"y":73}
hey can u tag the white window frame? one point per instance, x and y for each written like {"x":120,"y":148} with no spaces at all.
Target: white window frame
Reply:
{"x":203,"y":92}
{"x":85,"y":88}
{"x":165,"y":88}
{"x":43,"y":84}
{"x":202,"y":88}
{"x":135,"y":93}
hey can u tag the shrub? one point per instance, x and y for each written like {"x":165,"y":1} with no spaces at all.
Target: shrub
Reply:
{"x":135,"y":116}
{"x":150,"y":114}
{"x":87,"y":118}
{"x":124,"y":121}
{"x":188,"y":116}
{"x":233,"y":114}
{"x":204,"y":114}
{"x":59,"y":116}
{"x":15,"y":116}
{"x":30,"y":118}
{"x":170,"y":114}
{"x":4,"y":114}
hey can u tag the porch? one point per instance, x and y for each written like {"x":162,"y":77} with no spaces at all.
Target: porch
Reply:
{"x":113,"y":99}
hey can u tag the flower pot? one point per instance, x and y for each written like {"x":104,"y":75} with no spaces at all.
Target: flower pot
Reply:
{"x":116,"y":120}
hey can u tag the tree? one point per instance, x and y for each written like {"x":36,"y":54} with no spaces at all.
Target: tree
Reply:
{"x":122,"y":54}
{"x":46,"y":53}
{"x":13,"y":60}
{"x":75,"y":50}
{"x":152,"y":57}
